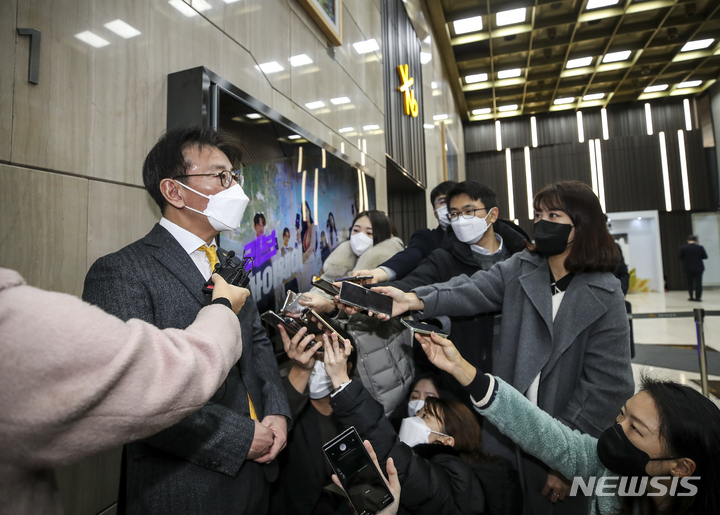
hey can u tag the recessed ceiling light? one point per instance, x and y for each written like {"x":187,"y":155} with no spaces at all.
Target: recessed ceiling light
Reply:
{"x":370,"y":127}
{"x":433,"y":85}
{"x":122,"y":29}
{"x":579,"y":62}
{"x":510,"y":107}
{"x":254,"y":116}
{"x":200,"y":5}
{"x":340,"y":100}
{"x":300,"y":60}
{"x":365,"y":47}
{"x":346,"y":129}
{"x":510,"y":17}
{"x":466,"y":25}
{"x":593,"y":96}
{"x":230,"y":1}
{"x":315,"y":105}
{"x":294,"y":136}
{"x":271,"y":67}
{"x":597,"y":4}
{"x":425,"y":57}
{"x":507,"y":74}
{"x":483,"y":110}
{"x":184,"y":8}
{"x":614,"y":57}
{"x":653,"y":89}
{"x":478,"y":77}
{"x":428,"y":126}
{"x":697,"y":45}
{"x":564,"y":100}
{"x":440,"y":117}
{"x":92,"y":39}
{"x":689,"y":84}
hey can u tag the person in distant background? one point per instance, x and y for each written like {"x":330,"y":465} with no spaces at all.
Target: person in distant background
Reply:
{"x":324,"y":247}
{"x":692,"y":255}
{"x":259,"y":224}
{"x":332,"y":235}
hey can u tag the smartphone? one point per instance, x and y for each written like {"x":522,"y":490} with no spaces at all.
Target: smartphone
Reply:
{"x":364,"y":298}
{"x":275,"y":320}
{"x":306,"y":317}
{"x":422,"y":328}
{"x":292,"y":303}
{"x":365,"y":487}
{"x":324,"y":285}
{"x":358,"y":279}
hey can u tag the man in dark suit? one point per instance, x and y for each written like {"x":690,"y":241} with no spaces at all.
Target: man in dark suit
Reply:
{"x":692,"y":255}
{"x":219,"y":459}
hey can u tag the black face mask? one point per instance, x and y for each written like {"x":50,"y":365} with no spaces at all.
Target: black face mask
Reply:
{"x":551,"y":238}
{"x":619,"y":455}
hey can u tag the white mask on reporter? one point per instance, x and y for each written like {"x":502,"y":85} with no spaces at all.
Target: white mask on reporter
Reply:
{"x":225,"y":209}
{"x":415,"y":431}
{"x":360,"y":242}
{"x":470,"y":230}
{"x":415,"y":406}
{"x":442,"y":213}
{"x":320,"y":383}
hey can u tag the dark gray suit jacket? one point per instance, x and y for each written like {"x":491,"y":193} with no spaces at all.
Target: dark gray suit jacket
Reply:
{"x":198,"y":465}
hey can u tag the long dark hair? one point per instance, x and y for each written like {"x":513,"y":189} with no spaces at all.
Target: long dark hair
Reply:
{"x":380,"y":225}
{"x":459,"y":422}
{"x":593,"y":248}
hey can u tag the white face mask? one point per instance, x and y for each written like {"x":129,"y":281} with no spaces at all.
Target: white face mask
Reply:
{"x":470,"y":230}
{"x":320,"y":383}
{"x":414,"y":431}
{"x":225,"y":209}
{"x":415,"y":406}
{"x":360,"y":242}
{"x":442,"y":213}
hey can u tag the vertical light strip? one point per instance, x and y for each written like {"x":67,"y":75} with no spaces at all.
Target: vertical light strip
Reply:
{"x":342,"y":147}
{"x":365,"y":193}
{"x":593,"y":168}
{"x":533,"y":131}
{"x":364,"y":145}
{"x":360,"y":191}
{"x":603,"y":116}
{"x":300,"y":160}
{"x":304,"y":213}
{"x":666,"y":173}
{"x":648,"y":119}
{"x":581,"y":130}
{"x":315,"y":197}
{"x":362,"y":158}
{"x":600,"y":175}
{"x":683,"y":170}
{"x":528,"y":184}
{"x":688,"y":116}
{"x":323,"y":158}
{"x":498,"y":137}
{"x":511,"y":196}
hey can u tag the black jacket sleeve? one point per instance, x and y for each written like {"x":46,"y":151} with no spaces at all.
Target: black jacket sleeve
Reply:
{"x":422,"y":243}
{"x":426,"y":273}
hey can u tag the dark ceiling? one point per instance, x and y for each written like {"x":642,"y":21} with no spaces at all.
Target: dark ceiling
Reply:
{"x":555,"y":32}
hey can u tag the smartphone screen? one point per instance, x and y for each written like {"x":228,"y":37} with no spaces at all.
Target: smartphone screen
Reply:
{"x":290,"y":325}
{"x":362,"y":297}
{"x":362,"y":482}
{"x":292,"y":303}
{"x":324,"y":285}
{"x":422,"y":328}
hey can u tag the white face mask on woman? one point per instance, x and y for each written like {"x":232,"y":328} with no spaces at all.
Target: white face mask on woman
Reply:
{"x":225,"y":209}
{"x":360,"y":242}
{"x":470,"y":230}
{"x":414,"y":431}
{"x":320,"y":383}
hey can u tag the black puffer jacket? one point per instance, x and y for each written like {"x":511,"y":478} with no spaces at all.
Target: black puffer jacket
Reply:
{"x":435,"y":481}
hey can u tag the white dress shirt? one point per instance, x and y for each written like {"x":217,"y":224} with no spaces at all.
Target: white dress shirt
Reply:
{"x":191,"y":244}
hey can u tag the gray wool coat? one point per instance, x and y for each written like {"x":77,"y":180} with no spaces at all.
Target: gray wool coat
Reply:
{"x":583,"y":356}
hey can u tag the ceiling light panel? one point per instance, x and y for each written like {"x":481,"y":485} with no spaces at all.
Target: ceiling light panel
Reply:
{"x":483,"y":110}
{"x":598,"y":4}
{"x":656,"y":88}
{"x":92,"y":39}
{"x":697,"y":45}
{"x":508,"y":74}
{"x":478,"y":77}
{"x":510,"y":17}
{"x":345,"y":129}
{"x":593,"y":96}
{"x":365,"y":47}
{"x":689,"y":84}
{"x":340,"y":100}
{"x":510,"y":107}
{"x":467,"y":25}
{"x":300,"y":60}
{"x":579,"y":63}
{"x":184,"y":8}
{"x":315,"y":105}
{"x":564,"y":100}
{"x":122,"y":29}
{"x":271,"y":67}
{"x":614,"y":57}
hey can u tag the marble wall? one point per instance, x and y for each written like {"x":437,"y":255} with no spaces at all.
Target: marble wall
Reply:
{"x":72,"y":147}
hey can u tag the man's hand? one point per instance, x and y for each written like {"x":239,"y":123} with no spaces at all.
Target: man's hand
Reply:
{"x":301,"y":348}
{"x":556,"y":487}
{"x":236,"y":295}
{"x":392,"y":480}
{"x":379,"y":275}
{"x":317,"y":303}
{"x":402,"y":302}
{"x":443,"y":354}
{"x":262,"y":442}
{"x":336,"y":359}
{"x":277,"y":424}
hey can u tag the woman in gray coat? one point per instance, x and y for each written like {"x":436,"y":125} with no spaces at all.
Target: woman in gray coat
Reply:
{"x":564,"y":339}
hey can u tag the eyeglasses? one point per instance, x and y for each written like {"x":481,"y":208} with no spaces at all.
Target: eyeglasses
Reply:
{"x":226,"y":177}
{"x":466,"y":213}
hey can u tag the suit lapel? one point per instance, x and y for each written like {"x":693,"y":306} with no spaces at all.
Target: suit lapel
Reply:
{"x":536,"y":286}
{"x":166,"y":250}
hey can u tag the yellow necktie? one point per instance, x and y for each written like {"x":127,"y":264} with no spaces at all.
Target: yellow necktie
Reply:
{"x":253,"y":413}
{"x":211,"y":254}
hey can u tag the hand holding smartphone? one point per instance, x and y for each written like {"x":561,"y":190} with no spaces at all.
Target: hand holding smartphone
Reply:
{"x":364,"y":298}
{"x":422,"y":328}
{"x":324,"y":285}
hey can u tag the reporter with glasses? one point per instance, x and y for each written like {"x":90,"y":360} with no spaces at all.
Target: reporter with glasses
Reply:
{"x":564,"y":338}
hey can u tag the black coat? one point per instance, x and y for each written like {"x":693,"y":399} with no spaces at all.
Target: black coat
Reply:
{"x":438,"y":484}
{"x":422,"y":243}
{"x":692,"y":256}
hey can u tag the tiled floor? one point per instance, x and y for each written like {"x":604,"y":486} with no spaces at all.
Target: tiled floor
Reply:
{"x":674,"y":331}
